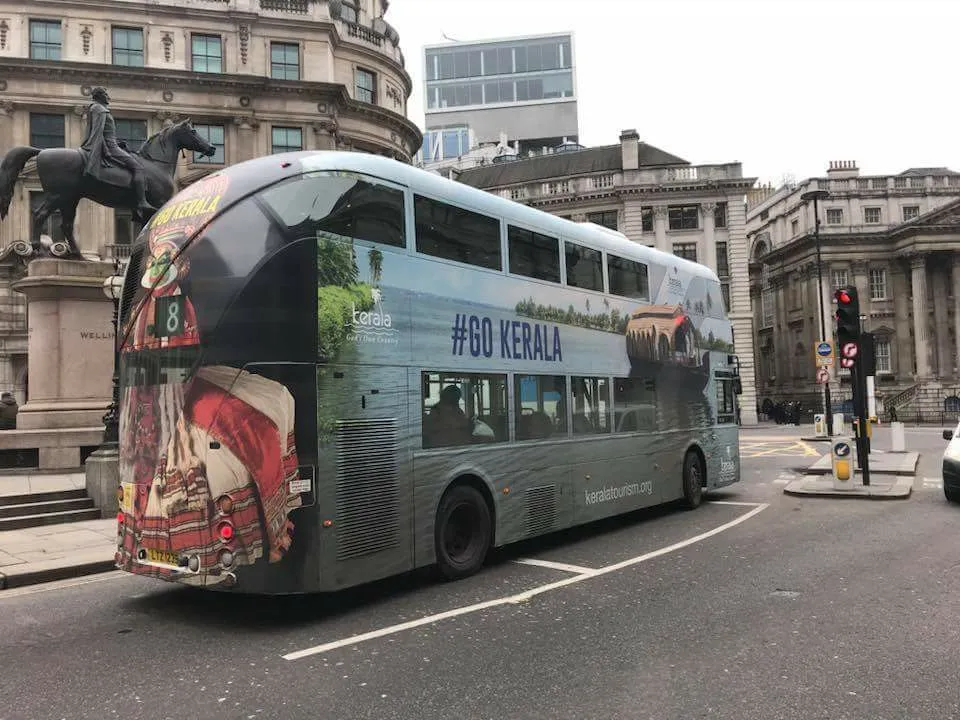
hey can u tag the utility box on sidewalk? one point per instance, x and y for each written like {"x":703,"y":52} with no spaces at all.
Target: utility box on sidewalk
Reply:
{"x":838,"y":424}
{"x":843,"y":454}
{"x":820,"y":425}
{"x":898,"y":437}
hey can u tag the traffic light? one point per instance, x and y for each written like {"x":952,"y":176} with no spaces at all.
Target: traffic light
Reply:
{"x":848,"y":324}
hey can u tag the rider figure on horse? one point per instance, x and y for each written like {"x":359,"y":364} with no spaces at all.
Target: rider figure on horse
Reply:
{"x":104,"y":151}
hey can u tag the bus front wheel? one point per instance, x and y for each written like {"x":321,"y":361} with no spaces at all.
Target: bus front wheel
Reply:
{"x":692,"y":480}
{"x":462,"y":532}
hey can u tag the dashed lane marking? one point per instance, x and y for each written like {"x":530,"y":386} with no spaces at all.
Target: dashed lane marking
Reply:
{"x":563,"y":567}
{"x":524,"y":596}
{"x":933,"y":483}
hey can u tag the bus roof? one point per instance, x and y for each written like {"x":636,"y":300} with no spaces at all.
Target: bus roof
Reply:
{"x":471,"y":198}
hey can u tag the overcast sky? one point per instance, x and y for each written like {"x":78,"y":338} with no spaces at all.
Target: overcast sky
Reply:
{"x":783,"y":86}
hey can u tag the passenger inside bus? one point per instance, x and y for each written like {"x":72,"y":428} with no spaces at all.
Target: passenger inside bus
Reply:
{"x":447,"y":424}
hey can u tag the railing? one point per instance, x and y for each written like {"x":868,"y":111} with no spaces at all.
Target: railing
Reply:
{"x":366,"y":34}
{"x":902,"y":398}
{"x":120,"y":253}
{"x":295,"y":6}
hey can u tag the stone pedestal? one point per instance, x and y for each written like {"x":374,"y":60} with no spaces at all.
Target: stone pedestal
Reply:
{"x":70,"y":352}
{"x":102,"y":469}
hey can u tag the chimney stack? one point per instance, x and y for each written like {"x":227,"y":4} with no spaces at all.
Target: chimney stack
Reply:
{"x":840,"y":169}
{"x":630,"y":150}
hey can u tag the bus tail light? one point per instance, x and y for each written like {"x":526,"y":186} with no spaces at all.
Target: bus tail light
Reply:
{"x":120,"y":518}
{"x":225,"y":531}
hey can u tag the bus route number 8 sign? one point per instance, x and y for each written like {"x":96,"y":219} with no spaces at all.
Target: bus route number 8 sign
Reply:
{"x":169,"y":319}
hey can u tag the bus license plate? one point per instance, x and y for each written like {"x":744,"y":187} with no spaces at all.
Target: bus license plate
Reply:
{"x":162,"y":557}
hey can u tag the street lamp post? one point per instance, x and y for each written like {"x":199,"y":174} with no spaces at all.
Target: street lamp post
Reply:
{"x":112,"y":288}
{"x":102,"y":467}
{"x":816,"y":196}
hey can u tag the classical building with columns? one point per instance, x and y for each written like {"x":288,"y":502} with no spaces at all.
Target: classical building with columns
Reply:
{"x":895,"y":238}
{"x":654,"y":198}
{"x":254,"y":76}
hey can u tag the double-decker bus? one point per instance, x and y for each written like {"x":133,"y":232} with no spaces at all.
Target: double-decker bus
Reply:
{"x":336,"y":368}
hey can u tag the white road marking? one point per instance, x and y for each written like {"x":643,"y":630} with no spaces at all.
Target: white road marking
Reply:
{"x":935,"y":483}
{"x":564,"y":567}
{"x":60,"y":584}
{"x":524,"y":596}
{"x":733,"y":502}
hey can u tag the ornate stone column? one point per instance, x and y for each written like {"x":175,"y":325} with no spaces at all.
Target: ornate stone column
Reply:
{"x":7,"y":109}
{"x":710,"y":244}
{"x":956,"y":308}
{"x":941,"y":323}
{"x":8,"y":229}
{"x":902,"y":349}
{"x":324,"y":135}
{"x":783,"y":346}
{"x":660,"y":227}
{"x":921,"y":338}
{"x":860,"y":278}
{"x":246,"y":146}
{"x":165,"y":117}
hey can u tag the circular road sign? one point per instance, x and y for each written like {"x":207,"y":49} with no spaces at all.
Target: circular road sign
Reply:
{"x":850,"y":350}
{"x":841,"y":449}
{"x":824,"y":349}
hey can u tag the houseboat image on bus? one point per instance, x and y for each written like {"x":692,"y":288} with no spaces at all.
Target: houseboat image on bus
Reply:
{"x":665,"y":335}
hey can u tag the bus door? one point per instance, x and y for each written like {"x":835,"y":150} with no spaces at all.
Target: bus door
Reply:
{"x":365,"y":483}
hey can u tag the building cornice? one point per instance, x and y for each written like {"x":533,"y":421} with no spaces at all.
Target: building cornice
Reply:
{"x":174,"y":14}
{"x":87,"y":74}
{"x":620,"y":192}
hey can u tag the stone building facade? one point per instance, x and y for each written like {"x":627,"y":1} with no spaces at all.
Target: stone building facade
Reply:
{"x":897,"y":240}
{"x":254,"y":76}
{"x":654,"y":198}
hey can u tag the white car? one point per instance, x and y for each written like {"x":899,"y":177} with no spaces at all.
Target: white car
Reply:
{"x":951,"y":465}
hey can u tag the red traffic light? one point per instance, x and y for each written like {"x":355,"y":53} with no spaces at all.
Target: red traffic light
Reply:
{"x":843,"y":297}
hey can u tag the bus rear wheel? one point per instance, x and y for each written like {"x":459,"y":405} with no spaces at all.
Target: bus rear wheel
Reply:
{"x":462,"y":533}
{"x":692,"y":480}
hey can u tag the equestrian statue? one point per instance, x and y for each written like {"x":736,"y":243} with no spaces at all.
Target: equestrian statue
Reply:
{"x":103,"y":170}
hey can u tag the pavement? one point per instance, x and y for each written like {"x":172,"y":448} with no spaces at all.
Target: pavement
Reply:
{"x":55,"y":552}
{"x":52,"y":552}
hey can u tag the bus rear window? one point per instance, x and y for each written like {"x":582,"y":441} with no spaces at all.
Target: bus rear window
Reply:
{"x":343,"y":204}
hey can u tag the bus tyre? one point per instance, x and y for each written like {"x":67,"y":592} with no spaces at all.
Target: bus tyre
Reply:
{"x":692,"y":480}
{"x":462,"y":532}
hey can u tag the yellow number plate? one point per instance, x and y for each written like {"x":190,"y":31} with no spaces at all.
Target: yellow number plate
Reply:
{"x":162,"y":557}
{"x":127,"y":503}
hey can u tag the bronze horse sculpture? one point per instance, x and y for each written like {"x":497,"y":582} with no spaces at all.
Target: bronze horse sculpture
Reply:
{"x":62,"y":178}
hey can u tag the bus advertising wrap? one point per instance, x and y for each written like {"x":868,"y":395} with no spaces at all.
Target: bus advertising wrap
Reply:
{"x":221,"y":507}
{"x":310,"y":346}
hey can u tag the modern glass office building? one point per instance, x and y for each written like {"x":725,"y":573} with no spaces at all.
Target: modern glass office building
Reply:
{"x":524,"y":87}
